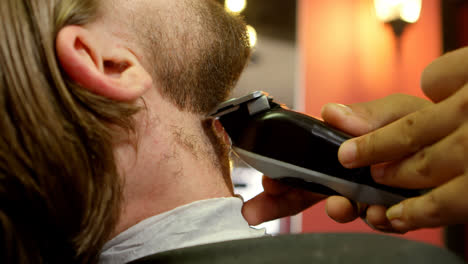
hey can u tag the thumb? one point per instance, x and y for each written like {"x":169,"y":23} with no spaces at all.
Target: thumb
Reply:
{"x":444,"y":205}
{"x":266,"y":207}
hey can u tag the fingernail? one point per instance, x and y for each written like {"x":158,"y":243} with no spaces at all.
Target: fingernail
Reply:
{"x":347,"y":153}
{"x":345,"y":109}
{"x":341,"y":108}
{"x":395,"y":212}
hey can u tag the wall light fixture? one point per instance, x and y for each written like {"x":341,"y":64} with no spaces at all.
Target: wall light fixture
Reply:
{"x":252,"y":33}
{"x":235,"y":6}
{"x":398,"y":13}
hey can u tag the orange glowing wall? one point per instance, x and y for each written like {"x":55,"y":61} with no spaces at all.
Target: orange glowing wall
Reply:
{"x":349,"y":56}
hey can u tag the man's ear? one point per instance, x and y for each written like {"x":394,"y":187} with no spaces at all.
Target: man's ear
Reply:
{"x":101,"y":66}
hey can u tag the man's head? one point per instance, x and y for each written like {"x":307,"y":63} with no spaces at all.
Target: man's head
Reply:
{"x":196,"y":50}
{"x":193,"y":49}
{"x":83,"y":84}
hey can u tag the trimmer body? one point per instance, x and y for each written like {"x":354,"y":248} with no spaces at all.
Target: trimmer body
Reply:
{"x":299,"y":150}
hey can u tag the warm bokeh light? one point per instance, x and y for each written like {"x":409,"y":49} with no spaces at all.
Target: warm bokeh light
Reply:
{"x":252,"y":36}
{"x":407,"y":10}
{"x":411,"y":11}
{"x":235,"y":6}
{"x":364,"y":62}
{"x":387,"y":10}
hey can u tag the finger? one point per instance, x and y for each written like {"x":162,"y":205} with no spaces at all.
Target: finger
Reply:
{"x":407,"y":135}
{"x":430,"y":167}
{"x":274,"y":187}
{"x":442,"y":206}
{"x":341,"y":210}
{"x":361,"y":118}
{"x":376,"y":216}
{"x":265,"y":207}
{"x":445,"y":75}
{"x":376,"y":219}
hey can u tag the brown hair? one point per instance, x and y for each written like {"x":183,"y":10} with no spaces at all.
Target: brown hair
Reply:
{"x":59,"y":188}
{"x":196,"y":71}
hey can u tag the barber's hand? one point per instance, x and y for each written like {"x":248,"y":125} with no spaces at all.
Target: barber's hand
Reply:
{"x":359,"y":119}
{"x":426,"y":148}
{"x":276,"y":201}
{"x":279,"y":200}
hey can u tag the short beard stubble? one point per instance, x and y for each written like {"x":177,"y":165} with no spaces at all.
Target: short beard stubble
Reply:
{"x":198,"y":61}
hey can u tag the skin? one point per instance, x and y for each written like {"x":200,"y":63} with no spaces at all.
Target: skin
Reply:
{"x":171,"y":160}
{"x":363,"y":118}
{"x":162,"y":173}
{"x":426,"y":148}
{"x":278,"y":200}
{"x":173,"y":165}
{"x":410,"y":143}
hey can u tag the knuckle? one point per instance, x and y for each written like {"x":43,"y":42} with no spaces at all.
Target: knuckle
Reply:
{"x":433,"y":208}
{"x":423,"y":167}
{"x":409,"y":138}
{"x":431,"y":211}
{"x":366,"y":145}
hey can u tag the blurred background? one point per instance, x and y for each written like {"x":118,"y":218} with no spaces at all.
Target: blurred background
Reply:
{"x":311,"y":52}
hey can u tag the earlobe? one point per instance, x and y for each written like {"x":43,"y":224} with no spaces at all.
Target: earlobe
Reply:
{"x":101,"y":66}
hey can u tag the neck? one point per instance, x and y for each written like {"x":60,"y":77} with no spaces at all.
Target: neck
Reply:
{"x":177,"y":160}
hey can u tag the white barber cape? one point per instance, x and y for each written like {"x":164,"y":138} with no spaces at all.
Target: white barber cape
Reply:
{"x":198,"y":223}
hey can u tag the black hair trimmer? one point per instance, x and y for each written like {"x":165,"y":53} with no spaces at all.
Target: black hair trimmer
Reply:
{"x":299,"y":150}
